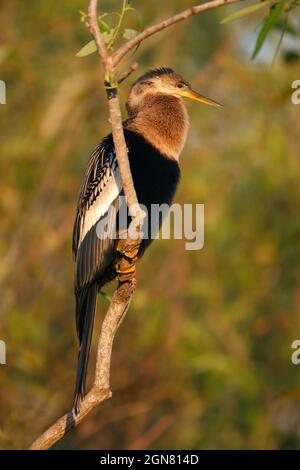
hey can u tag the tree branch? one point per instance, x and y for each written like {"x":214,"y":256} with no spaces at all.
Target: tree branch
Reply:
{"x":128,"y":72}
{"x":115,"y":117}
{"x":184,"y":15}
{"x":100,"y":390}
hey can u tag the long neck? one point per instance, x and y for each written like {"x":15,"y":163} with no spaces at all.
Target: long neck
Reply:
{"x":162,"y":120}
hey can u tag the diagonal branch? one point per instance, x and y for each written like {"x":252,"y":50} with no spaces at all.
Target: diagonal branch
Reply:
{"x":101,"y":388}
{"x":184,"y":15}
{"x":128,"y":72}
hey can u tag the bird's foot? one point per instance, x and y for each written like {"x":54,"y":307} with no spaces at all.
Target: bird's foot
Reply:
{"x":128,"y":247}
{"x":126,"y":257}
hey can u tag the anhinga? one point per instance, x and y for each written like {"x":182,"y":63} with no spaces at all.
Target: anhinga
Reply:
{"x":155,"y":133}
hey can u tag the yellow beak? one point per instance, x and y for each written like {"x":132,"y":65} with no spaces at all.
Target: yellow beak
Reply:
{"x":193,"y":95}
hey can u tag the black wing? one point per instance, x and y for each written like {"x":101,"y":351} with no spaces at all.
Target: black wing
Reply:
{"x":98,"y":202}
{"x":93,"y":252}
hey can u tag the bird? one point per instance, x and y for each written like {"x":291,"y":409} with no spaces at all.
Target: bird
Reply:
{"x":155,"y":132}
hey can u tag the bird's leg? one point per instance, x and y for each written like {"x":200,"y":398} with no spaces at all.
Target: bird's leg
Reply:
{"x":126,"y":257}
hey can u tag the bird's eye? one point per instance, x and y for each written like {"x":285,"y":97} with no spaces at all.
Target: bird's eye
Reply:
{"x":181,"y":85}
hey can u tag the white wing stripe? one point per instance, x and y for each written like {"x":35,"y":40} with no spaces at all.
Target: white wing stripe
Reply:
{"x":101,"y":205}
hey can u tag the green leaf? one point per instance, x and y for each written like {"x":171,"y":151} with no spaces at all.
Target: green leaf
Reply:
{"x":88,"y":49}
{"x":103,"y":26}
{"x":245,"y":11}
{"x":268,"y":24}
{"x":107,"y":36}
{"x":129,"y":33}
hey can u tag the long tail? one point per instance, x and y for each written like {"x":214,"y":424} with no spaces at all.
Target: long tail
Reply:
{"x":85,"y":314}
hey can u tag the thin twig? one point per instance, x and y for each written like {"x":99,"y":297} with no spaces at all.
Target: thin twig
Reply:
{"x":128,"y":72}
{"x":95,"y":31}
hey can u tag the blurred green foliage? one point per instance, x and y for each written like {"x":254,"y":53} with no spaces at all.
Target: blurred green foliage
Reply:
{"x":277,"y":14}
{"x":203,"y":358}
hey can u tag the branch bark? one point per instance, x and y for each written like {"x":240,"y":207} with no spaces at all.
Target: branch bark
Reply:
{"x":100,"y":390}
{"x":151,"y":30}
{"x":115,"y":117}
{"x":128,"y":72}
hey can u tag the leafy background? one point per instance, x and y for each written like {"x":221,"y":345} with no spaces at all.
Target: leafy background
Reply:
{"x":203,"y":359}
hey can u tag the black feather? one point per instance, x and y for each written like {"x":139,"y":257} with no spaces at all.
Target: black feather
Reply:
{"x":155,"y":179}
{"x":85,"y":312}
{"x":154,"y":73}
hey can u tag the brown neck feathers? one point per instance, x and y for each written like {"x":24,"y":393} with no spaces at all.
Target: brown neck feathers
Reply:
{"x":162,"y":120}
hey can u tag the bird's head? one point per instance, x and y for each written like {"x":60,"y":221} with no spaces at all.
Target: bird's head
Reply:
{"x":163,"y":81}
